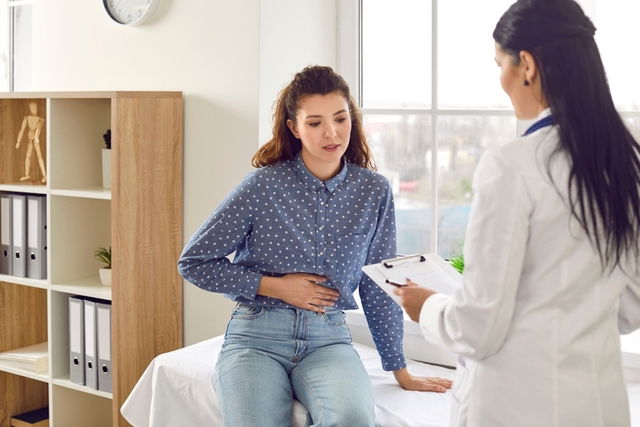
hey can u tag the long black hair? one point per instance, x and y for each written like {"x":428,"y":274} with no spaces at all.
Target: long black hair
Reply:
{"x":604,"y":180}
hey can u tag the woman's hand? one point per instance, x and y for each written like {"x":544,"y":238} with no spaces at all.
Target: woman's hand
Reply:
{"x":412,"y":298}
{"x":299,"y":289}
{"x":410,"y":382}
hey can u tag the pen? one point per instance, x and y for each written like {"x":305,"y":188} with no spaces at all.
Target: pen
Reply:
{"x":400,"y":285}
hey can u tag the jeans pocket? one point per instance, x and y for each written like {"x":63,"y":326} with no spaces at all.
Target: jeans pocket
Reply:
{"x":334,"y":318}
{"x":247,"y":312}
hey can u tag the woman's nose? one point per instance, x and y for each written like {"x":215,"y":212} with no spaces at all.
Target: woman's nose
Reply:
{"x":330,"y":131}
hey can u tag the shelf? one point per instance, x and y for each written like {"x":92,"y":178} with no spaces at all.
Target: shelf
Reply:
{"x":88,"y":287}
{"x":12,"y":369}
{"x":65,"y":382}
{"x":85,"y":193}
{"x":24,"y":188}
{"x":82,"y":215}
{"x":25,"y":281}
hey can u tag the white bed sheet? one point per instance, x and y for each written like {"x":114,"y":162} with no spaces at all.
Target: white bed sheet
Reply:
{"x":177,"y":389}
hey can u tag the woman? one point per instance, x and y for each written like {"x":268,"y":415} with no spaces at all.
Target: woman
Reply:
{"x":301,"y":227}
{"x":551,"y":250}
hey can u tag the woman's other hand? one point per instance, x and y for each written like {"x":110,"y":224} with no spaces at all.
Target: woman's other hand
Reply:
{"x":412,"y":298}
{"x":410,"y":382}
{"x":299,"y":289}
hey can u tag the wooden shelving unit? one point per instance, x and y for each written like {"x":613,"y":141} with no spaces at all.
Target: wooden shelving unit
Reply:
{"x":140,"y":217}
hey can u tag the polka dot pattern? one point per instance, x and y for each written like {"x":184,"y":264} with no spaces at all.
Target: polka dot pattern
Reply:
{"x":281,"y":219}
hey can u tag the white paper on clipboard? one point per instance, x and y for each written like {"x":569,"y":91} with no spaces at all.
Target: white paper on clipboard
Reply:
{"x":428,"y":270}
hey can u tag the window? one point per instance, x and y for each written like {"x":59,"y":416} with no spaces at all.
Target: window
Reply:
{"x":15,"y":45}
{"x":432,"y":102}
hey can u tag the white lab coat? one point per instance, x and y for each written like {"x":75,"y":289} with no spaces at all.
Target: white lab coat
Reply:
{"x":536,"y":322}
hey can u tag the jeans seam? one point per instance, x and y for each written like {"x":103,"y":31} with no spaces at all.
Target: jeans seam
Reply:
{"x":315,"y":396}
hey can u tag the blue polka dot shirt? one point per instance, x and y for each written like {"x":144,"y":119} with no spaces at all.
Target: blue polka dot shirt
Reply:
{"x":282,"y":219}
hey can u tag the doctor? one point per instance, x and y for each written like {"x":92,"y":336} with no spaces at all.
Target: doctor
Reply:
{"x":552,"y":245}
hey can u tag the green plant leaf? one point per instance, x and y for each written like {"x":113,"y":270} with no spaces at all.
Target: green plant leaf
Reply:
{"x":458,"y":263}
{"x":104,"y":255}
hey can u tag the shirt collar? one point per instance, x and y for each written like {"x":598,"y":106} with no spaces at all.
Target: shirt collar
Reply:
{"x":312,"y":182}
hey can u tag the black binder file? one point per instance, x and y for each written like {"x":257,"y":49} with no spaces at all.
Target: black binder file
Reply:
{"x":6,"y":237}
{"x":37,"y":237}
{"x":76,"y":340}
{"x":19,"y":232}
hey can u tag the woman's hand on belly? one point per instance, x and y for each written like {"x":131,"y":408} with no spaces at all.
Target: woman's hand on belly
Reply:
{"x":299,"y":289}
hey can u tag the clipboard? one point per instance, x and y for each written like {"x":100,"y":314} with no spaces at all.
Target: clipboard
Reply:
{"x":429,"y":270}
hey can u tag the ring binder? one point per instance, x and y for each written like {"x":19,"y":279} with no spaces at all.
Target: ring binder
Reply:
{"x":388,"y":262}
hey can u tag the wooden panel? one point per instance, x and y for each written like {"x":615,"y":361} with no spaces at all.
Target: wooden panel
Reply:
{"x":23,"y":316}
{"x":12,"y":160}
{"x":146,"y":236}
{"x":20,"y":395}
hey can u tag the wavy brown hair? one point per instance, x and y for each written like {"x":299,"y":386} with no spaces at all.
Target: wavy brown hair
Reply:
{"x":313,"y":80}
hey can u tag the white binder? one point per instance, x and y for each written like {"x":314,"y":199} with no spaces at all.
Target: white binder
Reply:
{"x":19,"y":232}
{"x":104,"y":346}
{"x":90,"y":344}
{"x":37,"y":237}
{"x":76,"y":340}
{"x":6,"y":237}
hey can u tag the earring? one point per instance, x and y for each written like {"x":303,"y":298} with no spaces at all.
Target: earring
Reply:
{"x":526,"y":83}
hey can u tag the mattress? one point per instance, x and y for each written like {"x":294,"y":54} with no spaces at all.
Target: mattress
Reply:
{"x":177,"y":389}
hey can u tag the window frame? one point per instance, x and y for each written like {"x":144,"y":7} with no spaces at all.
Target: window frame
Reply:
{"x":350,"y":65}
{"x":11,"y":6}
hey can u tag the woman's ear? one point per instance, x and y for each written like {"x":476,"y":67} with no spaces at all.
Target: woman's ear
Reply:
{"x":529,"y":67}
{"x":292,"y":128}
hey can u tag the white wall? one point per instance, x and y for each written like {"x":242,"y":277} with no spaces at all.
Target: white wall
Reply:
{"x":206,"y":49}
{"x":293,"y":34}
{"x":229,"y":58}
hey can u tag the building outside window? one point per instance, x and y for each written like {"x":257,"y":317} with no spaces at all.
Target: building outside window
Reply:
{"x":432,"y":102}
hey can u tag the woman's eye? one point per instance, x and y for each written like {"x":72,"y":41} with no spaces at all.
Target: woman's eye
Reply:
{"x":314,"y":124}
{"x":341,"y":119}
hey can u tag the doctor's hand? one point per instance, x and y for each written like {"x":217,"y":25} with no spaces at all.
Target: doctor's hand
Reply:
{"x":299,"y":289}
{"x":412,"y":298}
{"x":410,"y":382}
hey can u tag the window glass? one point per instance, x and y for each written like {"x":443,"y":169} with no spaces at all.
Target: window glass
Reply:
{"x":461,"y":142}
{"x":633,"y":123}
{"x":468,"y":76}
{"x":396,"y":53}
{"x":5,"y":50}
{"x":401,"y":146}
{"x":616,"y":29}
{"x":22,"y":48}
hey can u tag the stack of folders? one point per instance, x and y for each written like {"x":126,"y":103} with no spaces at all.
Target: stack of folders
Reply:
{"x":90,"y":342}
{"x":23,"y":235}
{"x":37,"y":418}
{"x":34,"y":357}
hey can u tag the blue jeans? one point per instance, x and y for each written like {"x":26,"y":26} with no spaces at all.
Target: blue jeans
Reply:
{"x":272,"y":355}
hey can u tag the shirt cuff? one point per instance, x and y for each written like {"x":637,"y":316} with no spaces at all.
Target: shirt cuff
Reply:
{"x":252,"y":280}
{"x":393,"y":363}
{"x":431,"y":315}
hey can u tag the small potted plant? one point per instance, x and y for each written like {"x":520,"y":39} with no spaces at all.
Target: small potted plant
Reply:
{"x":458,"y":263}
{"x":104,"y":255}
{"x":106,"y":159}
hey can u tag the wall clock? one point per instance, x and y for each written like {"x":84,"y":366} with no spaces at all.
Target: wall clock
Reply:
{"x":130,"y":12}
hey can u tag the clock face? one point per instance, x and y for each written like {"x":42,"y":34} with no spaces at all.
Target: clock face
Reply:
{"x":129,"y":11}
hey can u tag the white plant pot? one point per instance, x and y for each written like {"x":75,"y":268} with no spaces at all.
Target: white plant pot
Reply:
{"x":105,"y":276}
{"x":106,"y":168}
